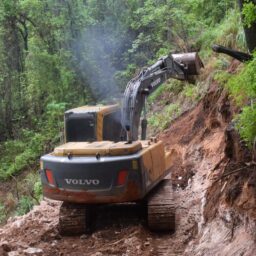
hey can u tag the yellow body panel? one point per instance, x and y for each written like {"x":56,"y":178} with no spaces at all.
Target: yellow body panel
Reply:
{"x":99,"y":133}
{"x":170,"y":157}
{"x":148,"y":163}
{"x":153,"y":157}
{"x":101,"y":112}
{"x":98,"y":147}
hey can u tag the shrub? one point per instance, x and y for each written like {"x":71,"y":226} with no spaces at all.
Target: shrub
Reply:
{"x":25,"y":205}
{"x":171,"y":86}
{"x":32,"y":187}
{"x":160,"y":121}
{"x":246,"y":124}
{"x":242,"y":87}
{"x":191,"y":92}
{"x":228,"y":32}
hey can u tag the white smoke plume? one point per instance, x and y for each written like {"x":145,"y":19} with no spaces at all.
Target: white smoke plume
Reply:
{"x":94,"y":52}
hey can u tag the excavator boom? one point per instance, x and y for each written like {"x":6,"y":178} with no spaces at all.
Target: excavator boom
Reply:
{"x":176,"y":66}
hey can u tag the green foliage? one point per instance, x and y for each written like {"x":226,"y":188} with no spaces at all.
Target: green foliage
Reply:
{"x":54,"y":119}
{"x":191,"y":92}
{"x":31,"y":187}
{"x":160,"y":121}
{"x":25,"y":205}
{"x":222,"y":77}
{"x":38,"y":191}
{"x":243,"y":85}
{"x":170,"y":87}
{"x":228,"y":32}
{"x":20,"y":154}
{"x":249,"y":12}
{"x":246,"y":124}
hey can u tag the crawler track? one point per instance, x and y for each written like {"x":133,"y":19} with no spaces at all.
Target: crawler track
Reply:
{"x":76,"y":219}
{"x":73,"y":219}
{"x":161,"y":210}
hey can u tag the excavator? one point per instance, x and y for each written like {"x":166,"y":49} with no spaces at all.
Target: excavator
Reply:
{"x":103,"y":160}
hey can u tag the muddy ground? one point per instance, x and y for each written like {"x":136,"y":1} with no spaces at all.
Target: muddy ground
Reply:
{"x":214,"y":183}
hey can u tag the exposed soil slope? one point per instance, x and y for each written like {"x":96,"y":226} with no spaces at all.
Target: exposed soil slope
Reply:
{"x":215,"y":201}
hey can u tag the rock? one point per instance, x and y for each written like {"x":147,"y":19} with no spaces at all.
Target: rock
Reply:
{"x":14,"y":253}
{"x":84,"y":236}
{"x":5,"y":246}
{"x":33,"y":251}
{"x":21,"y":245}
{"x":53,"y":244}
{"x":130,"y":241}
{"x":97,"y":254}
{"x":138,"y":247}
{"x":147,"y":243}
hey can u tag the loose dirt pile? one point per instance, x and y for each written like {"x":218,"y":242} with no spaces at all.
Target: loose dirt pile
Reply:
{"x":215,"y":202}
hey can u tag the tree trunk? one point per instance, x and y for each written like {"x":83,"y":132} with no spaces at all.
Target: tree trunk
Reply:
{"x":250,"y":32}
{"x":13,"y":63}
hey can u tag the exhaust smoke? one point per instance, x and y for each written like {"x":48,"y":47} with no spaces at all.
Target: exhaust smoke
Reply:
{"x":95,"y":52}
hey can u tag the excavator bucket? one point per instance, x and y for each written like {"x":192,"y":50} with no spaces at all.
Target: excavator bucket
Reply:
{"x":191,"y":62}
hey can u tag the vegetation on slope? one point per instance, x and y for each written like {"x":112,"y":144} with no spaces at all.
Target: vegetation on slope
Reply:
{"x":242,"y":86}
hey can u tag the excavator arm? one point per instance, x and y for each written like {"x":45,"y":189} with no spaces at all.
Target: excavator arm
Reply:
{"x":178,"y":66}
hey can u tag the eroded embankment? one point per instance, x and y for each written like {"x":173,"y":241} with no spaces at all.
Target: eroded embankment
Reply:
{"x":220,"y":176}
{"x":215,"y":202}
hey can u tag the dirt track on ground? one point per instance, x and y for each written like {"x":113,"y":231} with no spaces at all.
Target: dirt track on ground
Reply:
{"x":206,"y":222}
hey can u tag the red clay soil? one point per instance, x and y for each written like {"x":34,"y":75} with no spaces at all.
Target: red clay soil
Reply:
{"x":215,"y":208}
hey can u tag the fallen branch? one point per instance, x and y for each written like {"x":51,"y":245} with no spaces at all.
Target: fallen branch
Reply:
{"x":229,"y":173}
{"x":219,"y":163}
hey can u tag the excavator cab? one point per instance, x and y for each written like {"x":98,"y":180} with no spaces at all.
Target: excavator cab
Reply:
{"x":93,"y":123}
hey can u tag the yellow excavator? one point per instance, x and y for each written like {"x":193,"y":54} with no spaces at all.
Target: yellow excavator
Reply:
{"x":104,"y":162}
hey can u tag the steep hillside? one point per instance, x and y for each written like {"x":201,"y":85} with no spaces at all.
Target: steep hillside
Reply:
{"x":214,"y":186}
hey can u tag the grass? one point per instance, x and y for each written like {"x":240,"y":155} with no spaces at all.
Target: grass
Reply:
{"x":20,"y":154}
{"x":171,"y":87}
{"x":191,"y":92}
{"x":26,"y":192}
{"x":228,"y":32}
{"x":160,"y":121}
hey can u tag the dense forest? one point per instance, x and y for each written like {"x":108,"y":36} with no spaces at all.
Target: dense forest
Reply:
{"x":58,"y":54}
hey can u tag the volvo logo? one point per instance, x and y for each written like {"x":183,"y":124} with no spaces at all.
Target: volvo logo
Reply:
{"x":94,"y":182}
{"x":156,"y":82}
